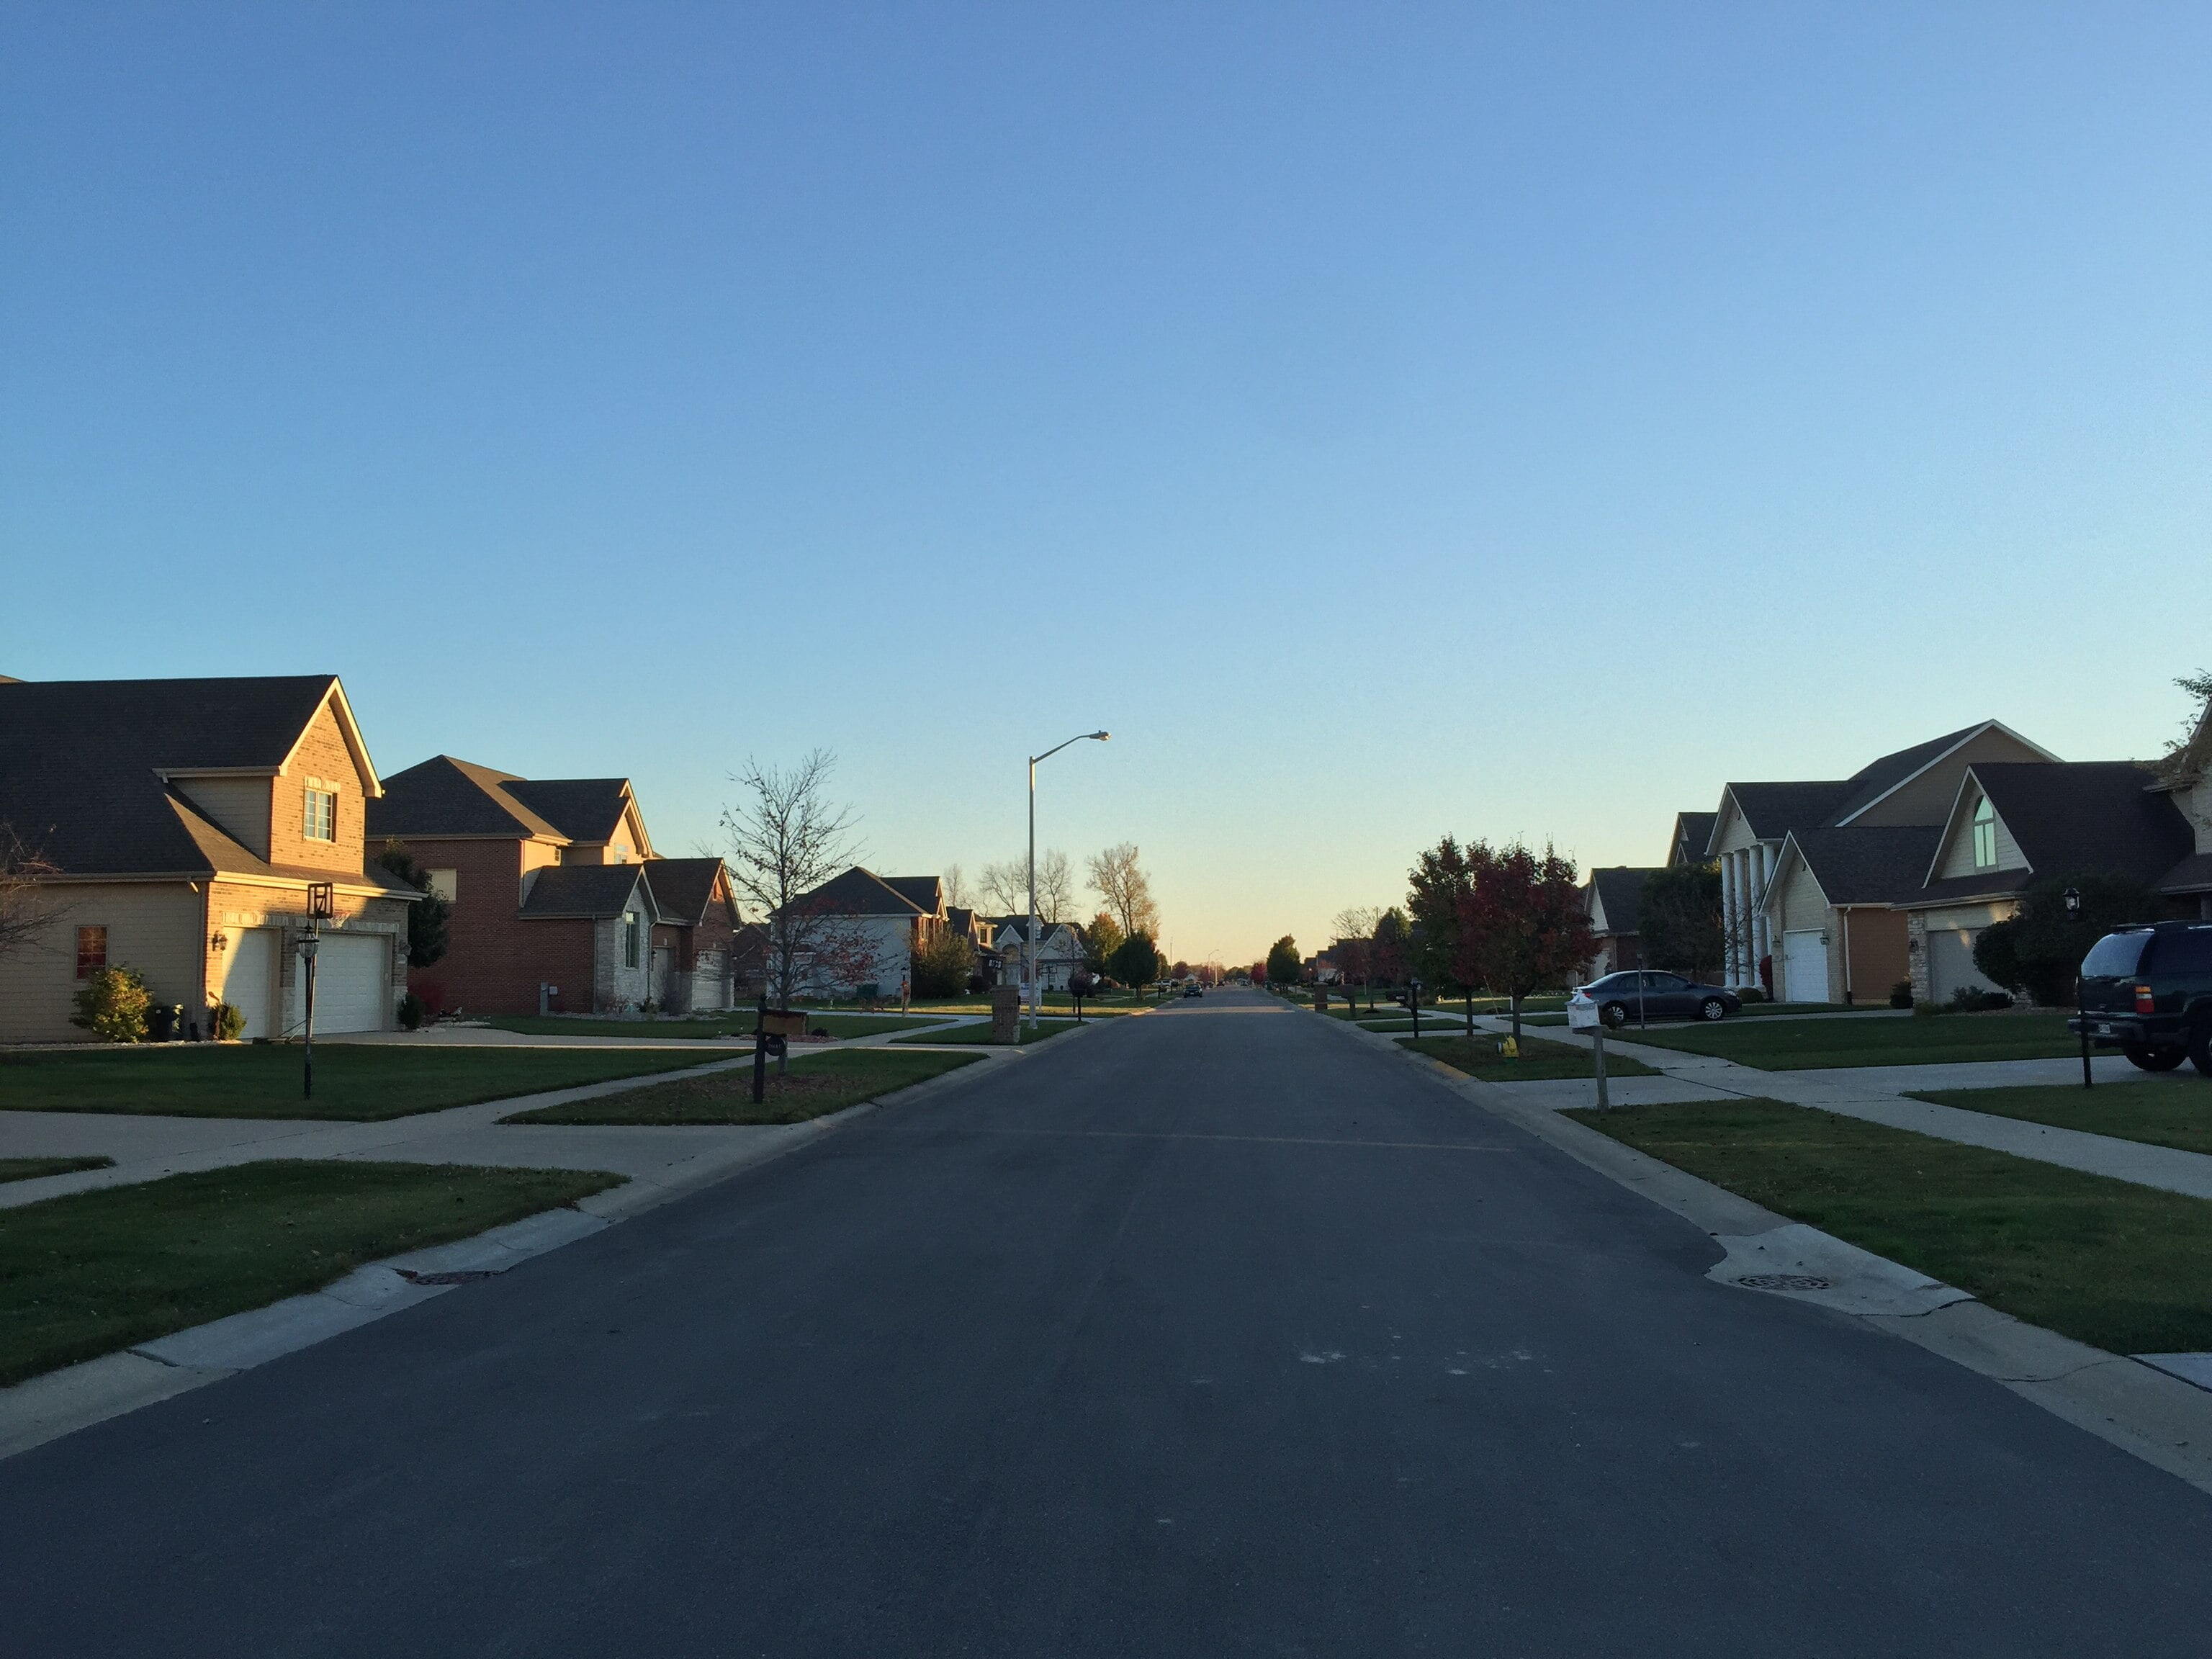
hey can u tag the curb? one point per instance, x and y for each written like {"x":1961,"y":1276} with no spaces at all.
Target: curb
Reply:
{"x":2145,"y":1411}
{"x":60,"y":1402}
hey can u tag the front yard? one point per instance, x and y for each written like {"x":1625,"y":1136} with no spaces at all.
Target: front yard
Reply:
{"x":720,"y":1026}
{"x":362,"y":1082}
{"x":30,"y":1168}
{"x":813,"y":1088}
{"x":1784,"y":1045}
{"x":2166,"y":1111}
{"x":91,"y":1272}
{"x":1540,"y":1062}
{"x":2123,"y":1267}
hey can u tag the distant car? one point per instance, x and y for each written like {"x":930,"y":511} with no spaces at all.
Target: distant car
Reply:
{"x":2148,"y":992}
{"x":1194,"y":991}
{"x":1643,"y":993}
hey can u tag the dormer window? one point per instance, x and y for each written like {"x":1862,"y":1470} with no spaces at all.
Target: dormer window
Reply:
{"x":319,"y":819}
{"x":1985,"y":835}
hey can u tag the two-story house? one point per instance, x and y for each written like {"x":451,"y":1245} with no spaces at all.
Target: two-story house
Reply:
{"x":556,"y":900}
{"x":179,"y":826}
{"x":864,"y":929}
{"x":1060,"y":950}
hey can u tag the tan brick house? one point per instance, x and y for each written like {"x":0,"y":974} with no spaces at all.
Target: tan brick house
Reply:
{"x":555,"y":895}
{"x":185,"y":821}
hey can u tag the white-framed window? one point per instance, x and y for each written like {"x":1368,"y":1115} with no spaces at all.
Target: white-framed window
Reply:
{"x":1985,"y":835}
{"x":444,"y":884}
{"x":630,"y":931}
{"x":319,"y":819}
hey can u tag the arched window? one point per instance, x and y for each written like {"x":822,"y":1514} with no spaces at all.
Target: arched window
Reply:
{"x":1985,"y":835}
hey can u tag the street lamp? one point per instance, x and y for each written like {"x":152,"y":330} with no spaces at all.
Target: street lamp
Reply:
{"x":2081,"y":992}
{"x":1028,"y":940}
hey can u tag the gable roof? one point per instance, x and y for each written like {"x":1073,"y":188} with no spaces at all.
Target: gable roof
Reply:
{"x":1008,"y":931}
{"x":1891,"y":772}
{"x":582,"y":809}
{"x":1862,"y":864}
{"x":1693,"y":831}
{"x":1773,"y":810}
{"x":85,"y":767}
{"x":2068,"y":817}
{"x":595,"y":890}
{"x":1619,"y":891}
{"x":443,"y":796}
{"x":684,"y":888}
{"x":925,"y":893}
{"x":859,"y":892}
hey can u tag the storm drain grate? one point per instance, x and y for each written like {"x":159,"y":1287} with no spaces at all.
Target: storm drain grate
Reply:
{"x":1782,"y":1282}
{"x":466,"y":1276}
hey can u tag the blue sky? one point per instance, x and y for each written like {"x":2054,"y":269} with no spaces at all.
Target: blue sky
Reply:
{"x":1386,"y":420}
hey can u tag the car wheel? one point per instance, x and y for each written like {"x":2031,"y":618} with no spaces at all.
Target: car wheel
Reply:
{"x":2148,"y":1059}
{"x":1614,"y":1014}
{"x":2200,"y":1048}
{"x":1712,"y":1008}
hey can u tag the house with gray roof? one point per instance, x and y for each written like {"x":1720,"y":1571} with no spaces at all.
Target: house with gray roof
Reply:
{"x":1908,"y":788}
{"x":1060,"y":950}
{"x":866,"y":929}
{"x":177,"y":827}
{"x":1612,"y":896}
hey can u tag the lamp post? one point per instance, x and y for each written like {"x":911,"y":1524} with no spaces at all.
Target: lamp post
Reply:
{"x":2081,"y":992}
{"x":321,"y":908}
{"x":1029,"y":938}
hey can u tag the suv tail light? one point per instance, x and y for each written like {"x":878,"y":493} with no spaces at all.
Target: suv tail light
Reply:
{"x":2145,"y":1002}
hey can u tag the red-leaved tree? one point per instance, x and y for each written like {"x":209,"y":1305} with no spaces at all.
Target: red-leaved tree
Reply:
{"x":1523,"y":925}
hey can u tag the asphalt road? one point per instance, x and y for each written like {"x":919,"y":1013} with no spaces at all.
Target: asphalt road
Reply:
{"x":1212,"y":1332}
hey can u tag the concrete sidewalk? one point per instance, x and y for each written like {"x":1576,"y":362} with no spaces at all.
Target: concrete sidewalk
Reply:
{"x":1877,"y":1095}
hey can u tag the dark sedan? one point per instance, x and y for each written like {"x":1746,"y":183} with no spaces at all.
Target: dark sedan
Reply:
{"x":1641,"y":993}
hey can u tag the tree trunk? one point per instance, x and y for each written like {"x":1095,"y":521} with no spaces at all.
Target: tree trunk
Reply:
{"x":1516,"y":1019}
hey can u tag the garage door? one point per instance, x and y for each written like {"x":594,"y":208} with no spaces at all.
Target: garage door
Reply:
{"x":349,"y":982}
{"x":249,"y":977}
{"x":1805,"y":966}
{"x":1951,"y":963}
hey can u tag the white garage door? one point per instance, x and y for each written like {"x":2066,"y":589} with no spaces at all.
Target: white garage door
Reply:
{"x":349,"y":982}
{"x":1951,"y":962}
{"x":249,"y":977}
{"x":1805,"y":966}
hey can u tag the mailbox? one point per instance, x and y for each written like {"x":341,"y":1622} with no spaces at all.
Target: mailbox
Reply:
{"x":783,"y":1022}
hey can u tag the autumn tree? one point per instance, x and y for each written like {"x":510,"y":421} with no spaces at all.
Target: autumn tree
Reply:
{"x":1522,"y":926}
{"x":1135,"y":962}
{"x":943,"y":964}
{"x":1441,"y":877}
{"x":1283,"y":965}
{"x":1392,"y":952}
{"x":1126,"y":890}
{"x":1101,"y":939}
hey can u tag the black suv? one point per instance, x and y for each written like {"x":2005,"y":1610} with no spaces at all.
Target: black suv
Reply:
{"x":2148,"y":992}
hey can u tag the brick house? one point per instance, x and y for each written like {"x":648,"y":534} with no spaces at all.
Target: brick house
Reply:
{"x":185,"y":821}
{"x":555,"y":896}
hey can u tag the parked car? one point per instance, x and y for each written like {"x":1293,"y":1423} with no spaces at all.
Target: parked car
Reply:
{"x":2148,"y":992}
{"x":1193,"y":990}
{"x":1643,"y":993}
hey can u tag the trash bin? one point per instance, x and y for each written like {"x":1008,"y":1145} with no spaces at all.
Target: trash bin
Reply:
{"x":162,"y":1019}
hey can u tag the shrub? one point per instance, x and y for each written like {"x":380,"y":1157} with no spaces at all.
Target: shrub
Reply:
{"x":226,"y":1022}
{"x":412,"y":1012}
{"x":112,"y":1005}
{"x":1968,"y":1001}
{"x":1900,"y":995}
{"x":942,"y":965}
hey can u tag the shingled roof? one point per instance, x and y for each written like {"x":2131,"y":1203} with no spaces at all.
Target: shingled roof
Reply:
{"x":582,"y":809}
{"x":1866,"y":864}
{"x":86,"y":768}
{"x":683,"y":888}
{"x":1620,"y":892}
{"x":586,"y":889}
{"x":443,"y":796}
{"x":1773,"y":810}
{"x":2068,"y":819}
{"x":859,"y":892}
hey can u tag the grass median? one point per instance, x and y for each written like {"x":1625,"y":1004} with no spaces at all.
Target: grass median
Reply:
{"x":979,"y":1037}
{"x":2124,"y":1267}
{"x":1540,"y":1062}
{"x":812,"y":1088}
{"x":2166,"y":1111}
{"x":30,"y":1168}
{"x":90,"y":1272}
{"x":1783,"y":1045}
{"x":354,"y":1082}
{"x":720,"y":1028}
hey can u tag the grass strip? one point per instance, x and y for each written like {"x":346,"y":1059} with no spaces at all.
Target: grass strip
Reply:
{"x":2124,"y":1267}
{"x":1781,"y":1045}
{"x":354,"y":1082}
{"x":813,"y":1088}
{"x":1540,"y":1061}
{"x":30,"y":1168}
{"x":2166,"y":1111}
{"x":979,"y":1037}
{"x":720,"y":1028}
{"x":90,"y":1272}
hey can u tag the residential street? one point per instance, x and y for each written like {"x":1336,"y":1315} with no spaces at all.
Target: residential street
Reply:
{"x":1212,"y":1332}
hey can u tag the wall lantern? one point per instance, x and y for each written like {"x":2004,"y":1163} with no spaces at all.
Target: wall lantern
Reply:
{"x":220,"y":943}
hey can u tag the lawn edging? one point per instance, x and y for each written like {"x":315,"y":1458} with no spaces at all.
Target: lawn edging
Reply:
{"x":2144,"y":1412}
{"x":60,"y":1402}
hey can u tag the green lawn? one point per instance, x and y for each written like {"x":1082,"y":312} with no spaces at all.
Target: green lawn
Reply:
{"x":740,"y":1024}
{"x":1750,"y":1010}
{"x":980,"y":1036}
{"x":355,"y":1081}
{"x":30,"y":1168}
{"x":2124,"y":1267}
{"x":1540,"y":1062}
{"x":89,"y":1274}
{"x":827,"y":1084}
{"x":1787,"y":1045}
{"x":2166,"y":1111}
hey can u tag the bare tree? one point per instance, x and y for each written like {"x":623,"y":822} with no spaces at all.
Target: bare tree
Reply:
{"x":954,"y":883}
{"x":26,"y":907}
{"x":1357,"y":922}
{"x":786,"y":839}
{"x":1006,"y":887}
{"x":1055,"y":886}
{"x":1122,"y":884}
